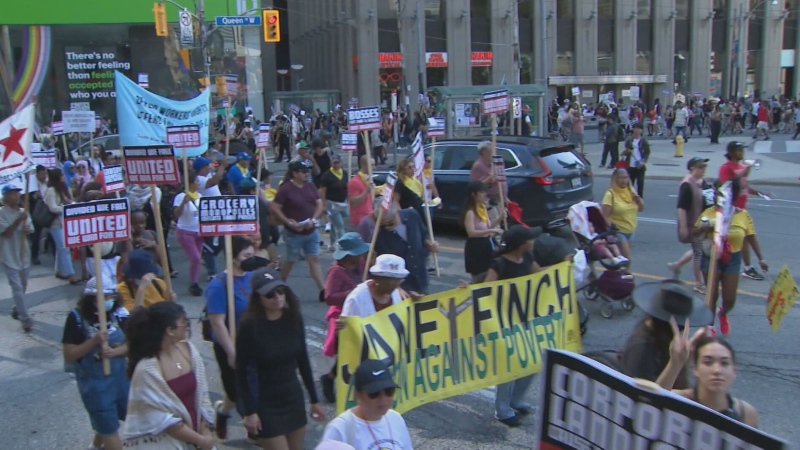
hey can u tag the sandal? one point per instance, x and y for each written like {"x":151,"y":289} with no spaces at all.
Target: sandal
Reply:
{"x":73,"y":281}
{"x":61,"y":276}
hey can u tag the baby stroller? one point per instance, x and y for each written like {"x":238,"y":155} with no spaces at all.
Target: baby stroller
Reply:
{"x":613,"y":284}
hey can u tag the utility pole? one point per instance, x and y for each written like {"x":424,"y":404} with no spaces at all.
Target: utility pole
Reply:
{"x":422,"y":66}
{"x":543,"y":117}
{"x":200,"y":12}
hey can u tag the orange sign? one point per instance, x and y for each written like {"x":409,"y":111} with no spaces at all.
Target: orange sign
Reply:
{"x":436,"y":59}
{"x":394,"y":60}
{"x":482,"y":59}
{"x":390,"y":60}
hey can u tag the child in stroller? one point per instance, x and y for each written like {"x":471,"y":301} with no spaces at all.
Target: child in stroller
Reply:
{"x":615,"y":283}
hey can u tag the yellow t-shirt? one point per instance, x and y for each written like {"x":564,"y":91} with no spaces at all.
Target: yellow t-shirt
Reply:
{"x":623,"y":214}
{"x":151,"y":295}
{"x":741,"y":226}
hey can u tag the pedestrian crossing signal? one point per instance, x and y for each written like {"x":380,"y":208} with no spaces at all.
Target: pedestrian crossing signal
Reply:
{"x":272,"y":25}
{"x":160,"y":14}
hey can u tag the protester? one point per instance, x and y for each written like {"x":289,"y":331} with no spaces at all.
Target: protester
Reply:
{"x":186,"y":206}
{"x":343,"y":276}
{"x":621,"y":207}
{"x":142,"y":238}
{"x":141,"y":286}
{"x":37,"y":198}
{"x":371,"y":424}
{"x":483,"y":170}
{"x":401,"y":233}
{"x":480,"y":231}
{"x":217,"y":310}
{"x":140,"y":198}
{"x":578,"y":122}
{"x":763,"y":116}
{"x":694,"y":196}
{"x":56,"y":196}
{"x":614,"y":134}
{"x":646,"y":352}
{"x":636,"y":153}
{"x":239,"y":171}
{"x":297,"y":205}
{"x":729,"y":264}
{"x":105,"y":397}
{"x":107,"y":159}
{"x":323,"y":160}
{"x":359,"y":190}
{"x":431,"y":192}
{"x":681,"y":117}
{"x":270,"y":350}
{"x":15,"y":252}
{"x":514,"y":259}
{"x":333,"y":191}
{"x":82,"y":176}
{"x":714,"y":370}
{"x":408,"y":190}
{"x":209,"y":187}
{"x":168,"y":402}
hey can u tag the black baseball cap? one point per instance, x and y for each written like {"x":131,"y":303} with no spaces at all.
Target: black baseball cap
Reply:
{"x":265,"y":279}
{"x":735,"y":145}
{"x":297,"y":166}
{"x":516,"y":235}
{"x":373,"y":376}
{"x":695,"y":161}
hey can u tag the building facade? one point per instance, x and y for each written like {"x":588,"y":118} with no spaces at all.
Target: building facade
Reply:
{"x":646,"y":48}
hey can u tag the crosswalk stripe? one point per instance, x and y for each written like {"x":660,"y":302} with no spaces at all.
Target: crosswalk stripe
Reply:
{"x":793,"y":146}
{"x":762,"y":147}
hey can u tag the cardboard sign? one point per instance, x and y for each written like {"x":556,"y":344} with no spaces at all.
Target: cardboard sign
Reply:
{"x":388,"y":191}
{"x":113,"y":179}
{"x":437,"y":127}
{"x":95,"y":222}
{"x":782,"y":295}
{"x":46,"y":158}
{"x":499,"y":168}
{"x":78,"y":121}
{"x":57,"y":127}
{"x":262,"y":138}
{"x":364,"y":119}
{"x":183,"y":136}
{"x":228,"y":214}
{"x":495,"y":102}
{"x":349,"y":141}
{"x":151,"y":164}
{"x":231,"y":85}
{"x":586,"y":405}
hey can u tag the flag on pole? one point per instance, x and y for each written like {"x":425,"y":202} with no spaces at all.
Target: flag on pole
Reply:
{"x":419,"y":155}
{"x":16,"y":137}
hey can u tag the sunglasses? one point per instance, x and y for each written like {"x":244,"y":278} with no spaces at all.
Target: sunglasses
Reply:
{"x":389,"y":392}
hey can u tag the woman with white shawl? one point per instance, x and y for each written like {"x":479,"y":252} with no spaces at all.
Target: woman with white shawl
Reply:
{"x":168,"y":404}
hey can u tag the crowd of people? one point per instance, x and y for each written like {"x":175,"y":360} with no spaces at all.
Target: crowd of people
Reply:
{"x":157,"y":385}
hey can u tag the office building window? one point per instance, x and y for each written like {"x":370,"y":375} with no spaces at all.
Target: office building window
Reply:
{"x":565,"y":10}
{"x":605,"y":37}
{"x":564,"y":64}
{"x":605,"y":9}
{"x":644,"y":43}
{"x":644,"y":10}
{"x":682,"y":8}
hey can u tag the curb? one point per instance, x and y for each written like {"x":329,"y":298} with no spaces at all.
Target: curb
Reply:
{"x":677,"y":178}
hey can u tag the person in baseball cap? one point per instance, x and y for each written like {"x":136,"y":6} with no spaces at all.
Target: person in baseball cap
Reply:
{"x":239,"y":171}
{"x":374,"y":390}
{"x":696,"y":161}
{"x":200,"y":163}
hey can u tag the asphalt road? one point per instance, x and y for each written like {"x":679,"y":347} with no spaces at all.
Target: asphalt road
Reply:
{"x":42,"y":409}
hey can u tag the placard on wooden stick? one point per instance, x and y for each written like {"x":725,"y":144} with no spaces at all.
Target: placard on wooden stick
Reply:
{"x":151,"y":164}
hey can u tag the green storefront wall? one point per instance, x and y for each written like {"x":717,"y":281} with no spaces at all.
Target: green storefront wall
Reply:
{"x":57,"y":12}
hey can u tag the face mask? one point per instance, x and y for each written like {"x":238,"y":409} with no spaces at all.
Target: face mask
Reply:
{"x":109,"y":304}
{"x":252,"y":263}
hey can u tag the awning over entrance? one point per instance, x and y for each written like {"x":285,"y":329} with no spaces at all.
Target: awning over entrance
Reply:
{"x":518,"y":90}
{"x":606,"y":79}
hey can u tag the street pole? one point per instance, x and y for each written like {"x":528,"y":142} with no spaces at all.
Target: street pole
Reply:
{"x":421,"y":46}
{"x":200,"y":12}
{"x":543,"y":125}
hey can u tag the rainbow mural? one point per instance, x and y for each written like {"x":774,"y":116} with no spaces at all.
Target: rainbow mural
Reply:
{"x":35,"y":60}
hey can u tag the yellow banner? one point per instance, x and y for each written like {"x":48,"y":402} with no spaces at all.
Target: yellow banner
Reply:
{"x":465,"y":339}
{"x":782,"y":295}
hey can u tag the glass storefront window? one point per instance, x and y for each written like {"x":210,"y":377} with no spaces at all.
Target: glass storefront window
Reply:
{"x":481,"y":76}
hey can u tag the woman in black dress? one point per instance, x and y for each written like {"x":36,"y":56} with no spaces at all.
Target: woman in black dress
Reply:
{"x":270,"y":348}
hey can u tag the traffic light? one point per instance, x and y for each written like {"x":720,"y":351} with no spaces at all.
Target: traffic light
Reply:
{"x":272,"y":25}
{"x":160,"y":13}
{"x":220,"y":82}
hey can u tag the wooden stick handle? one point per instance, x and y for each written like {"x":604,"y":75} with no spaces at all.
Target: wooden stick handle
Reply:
{"x":229,"y":286}
{"x":162,"y":245}
{"x":372,"y":243}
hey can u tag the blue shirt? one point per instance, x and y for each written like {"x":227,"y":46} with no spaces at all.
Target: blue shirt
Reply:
{"x":235,"y":176}
{"x":217,"y":298}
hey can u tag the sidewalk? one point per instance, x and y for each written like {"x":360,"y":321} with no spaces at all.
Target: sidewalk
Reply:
{"x":776,"y":168}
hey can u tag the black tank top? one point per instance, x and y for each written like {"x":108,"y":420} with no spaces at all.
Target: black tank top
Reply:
{"x":729,"y":412}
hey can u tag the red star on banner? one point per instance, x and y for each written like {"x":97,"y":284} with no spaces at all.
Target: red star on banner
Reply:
{"x":11,"y":143}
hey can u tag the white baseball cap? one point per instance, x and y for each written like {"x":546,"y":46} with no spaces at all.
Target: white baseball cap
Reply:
{"x":389,"y":266}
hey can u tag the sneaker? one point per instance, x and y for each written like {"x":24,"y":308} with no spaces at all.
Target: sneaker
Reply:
{"x":14,"y":314}
{"x":724,"y":323}
{"x":327,"y":388}
{"x":27,"y":325}
{"x":512,"y":421}
{"x":195,"y":290}
{"x":700,"y":288}
{"x":523,"y":410}
{"x":753,"y":274}
{"x":622,"y":259}
{"x":221,"y":420}
{"x":327,"y":228}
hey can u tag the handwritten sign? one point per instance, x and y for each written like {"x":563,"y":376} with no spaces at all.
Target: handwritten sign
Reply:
{"x":228,"y":214}
{"x":151,"y":164}
{"x":96,"y":222}
{"x":782,"y":295}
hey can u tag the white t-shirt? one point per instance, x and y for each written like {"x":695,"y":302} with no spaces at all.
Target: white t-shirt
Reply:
{"x":636,"y":153}
{"x":187,"y":221}
{"x":389,"y":432}
{"x":359,"y":301}
{"x":213,"y":191}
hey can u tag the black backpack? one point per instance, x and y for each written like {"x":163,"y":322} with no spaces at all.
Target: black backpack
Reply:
{"x":620,"y":133}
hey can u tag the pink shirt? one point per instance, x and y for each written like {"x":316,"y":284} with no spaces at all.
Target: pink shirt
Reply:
{"x":356,"y":187}
{"x":480,"y":170}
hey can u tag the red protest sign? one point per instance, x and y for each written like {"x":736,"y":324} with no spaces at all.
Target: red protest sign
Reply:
{"x":183,"y":136}
{"x":495,"y":102}
{"x":113,"y":179}
{"x":151,"y":164}
{"x":228,"y":214}
{"x":499,"y":168}
{"x":95,"y":222}
{"x":388,"y":191}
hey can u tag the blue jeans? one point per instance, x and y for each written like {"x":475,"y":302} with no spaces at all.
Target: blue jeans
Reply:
{"x":681,"y":130}
{"x":509,"y":396}
{"x":336,"y":214}
{"x":63,"y":257}
{"x":210,"y":251}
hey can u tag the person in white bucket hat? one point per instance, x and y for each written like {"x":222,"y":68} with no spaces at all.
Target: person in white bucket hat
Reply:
{"x":381,"y":290}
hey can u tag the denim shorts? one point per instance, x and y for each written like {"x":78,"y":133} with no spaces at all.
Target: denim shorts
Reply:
{"x":627,"y":236}
{"x":106,"y":400}
{"x":308,"y":243}
{"x":733,"y":267}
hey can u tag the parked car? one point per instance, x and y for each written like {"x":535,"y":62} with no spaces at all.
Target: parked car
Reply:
{"x":109,"y":142}
{"x":545,"y":176}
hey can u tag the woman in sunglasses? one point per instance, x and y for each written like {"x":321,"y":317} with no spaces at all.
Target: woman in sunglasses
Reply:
{"x":372,"y":423}
{"x":270,"y":349}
